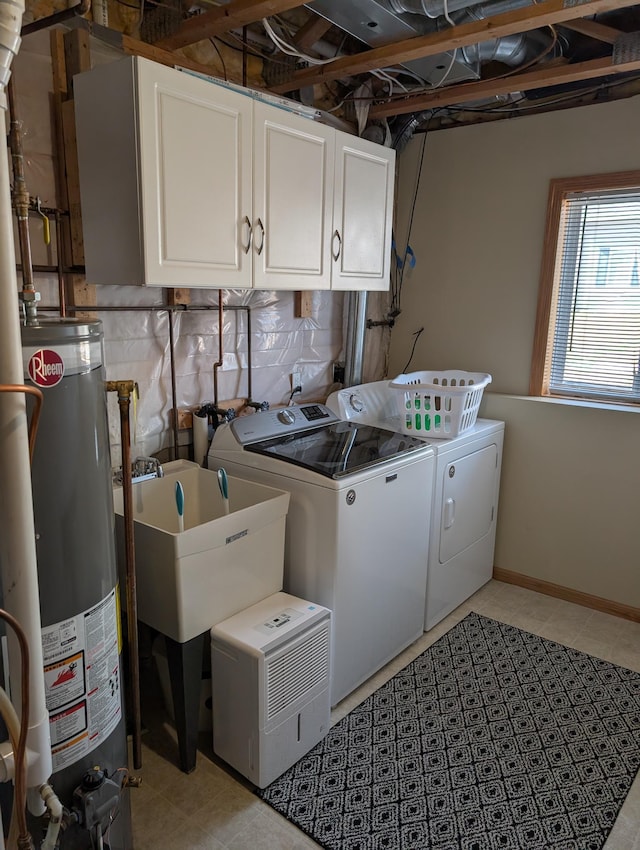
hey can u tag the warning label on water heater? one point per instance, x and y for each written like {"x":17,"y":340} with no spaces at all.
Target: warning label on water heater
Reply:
{"x":82,"y":681}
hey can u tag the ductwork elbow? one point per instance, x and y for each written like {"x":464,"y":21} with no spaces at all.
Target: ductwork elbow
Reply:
{"x":11,"y":12}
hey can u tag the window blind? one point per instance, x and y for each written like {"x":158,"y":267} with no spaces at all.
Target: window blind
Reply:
{"x":596,"y":343}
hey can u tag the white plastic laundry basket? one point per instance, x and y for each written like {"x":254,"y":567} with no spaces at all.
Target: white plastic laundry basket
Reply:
{"x":439,"y":404}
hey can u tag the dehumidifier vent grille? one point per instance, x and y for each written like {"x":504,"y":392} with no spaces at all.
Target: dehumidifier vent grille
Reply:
{"x":296,"y":671}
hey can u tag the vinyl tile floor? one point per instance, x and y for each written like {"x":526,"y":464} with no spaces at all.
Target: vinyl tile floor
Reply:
{"x":214,"y":808}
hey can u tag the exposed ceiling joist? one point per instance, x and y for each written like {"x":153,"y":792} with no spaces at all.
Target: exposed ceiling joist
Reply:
{"x":311,"y":32}
{"x":134,"y":47}
{"x":469,"y":92}
{"x":593,"y":29}
{"x":515,"y":21}
{"x":237,"y":13}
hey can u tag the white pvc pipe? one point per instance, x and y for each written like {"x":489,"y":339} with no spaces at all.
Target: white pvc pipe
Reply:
{"x":18,"y":566}
{"x":54,"y":807}
{"x":11,"y":12}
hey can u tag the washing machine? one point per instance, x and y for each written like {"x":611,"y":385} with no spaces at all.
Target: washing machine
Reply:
{"x":357,"y":534}
{"x":463,"y":492}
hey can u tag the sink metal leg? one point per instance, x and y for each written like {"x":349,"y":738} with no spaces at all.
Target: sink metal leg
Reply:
{"x":185,"y":672}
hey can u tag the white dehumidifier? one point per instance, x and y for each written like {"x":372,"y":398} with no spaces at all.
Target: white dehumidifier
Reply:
{"x":270,"y":677}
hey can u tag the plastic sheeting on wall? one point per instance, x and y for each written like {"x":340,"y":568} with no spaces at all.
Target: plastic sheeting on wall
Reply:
{"x":137,"y":346}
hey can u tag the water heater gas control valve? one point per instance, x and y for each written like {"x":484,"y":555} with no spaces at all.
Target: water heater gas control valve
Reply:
{"x":96,"y":799}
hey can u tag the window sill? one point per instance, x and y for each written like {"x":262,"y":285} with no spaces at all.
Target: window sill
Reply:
{"x":574,"y":402}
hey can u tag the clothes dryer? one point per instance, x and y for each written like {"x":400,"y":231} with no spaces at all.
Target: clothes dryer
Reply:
{"x":464,"y":494}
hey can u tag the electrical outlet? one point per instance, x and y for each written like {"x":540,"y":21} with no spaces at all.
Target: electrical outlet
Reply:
{"x":296,"y":380}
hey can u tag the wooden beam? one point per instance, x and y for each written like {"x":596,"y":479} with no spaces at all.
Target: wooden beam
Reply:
{"x":73,"y":182}
{"x":311,"y":32}
{"x":303,"y":304}
{"x":237,"y":13}
{"x":59,"y":81}
{"x":77,"y":55}
{"x":81,"y":294}
{"x":133,"y":47}
{"x":177,"y":297}
{"x":58,"y":63}
{"x":594,"y":30}
{"x":509,"y":23}
{"x":518,"y":82}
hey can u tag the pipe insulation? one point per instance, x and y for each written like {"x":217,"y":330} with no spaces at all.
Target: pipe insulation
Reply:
{"x":11,"y":12}
{"x":18,"y":566}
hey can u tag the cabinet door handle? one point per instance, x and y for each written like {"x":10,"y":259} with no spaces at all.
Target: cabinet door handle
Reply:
{"x":336,"y":254}
{"x":261,"y":246}
{"x":247,"y":247}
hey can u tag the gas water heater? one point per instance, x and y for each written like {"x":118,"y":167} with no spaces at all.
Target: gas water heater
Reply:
{"x":77,"y":576}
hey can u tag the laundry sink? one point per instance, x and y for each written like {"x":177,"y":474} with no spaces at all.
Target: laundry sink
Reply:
{"x":187,"y":581}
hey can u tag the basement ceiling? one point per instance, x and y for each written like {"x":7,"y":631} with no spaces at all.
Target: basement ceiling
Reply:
{"x":395,"y":67}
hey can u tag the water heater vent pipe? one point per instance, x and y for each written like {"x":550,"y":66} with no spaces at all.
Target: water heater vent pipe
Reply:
{"x":18,"y":566}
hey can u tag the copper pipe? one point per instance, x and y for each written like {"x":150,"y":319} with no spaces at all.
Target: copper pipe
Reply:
{"x":219,"y":361}
{"x":249,"y":387}
{"x":125,"y":389}
{"x":24,"y":836}
{"x":56,"y":18}
{"x":185,"y":308}
{"x":174,"y":395}
{"x":62,"y":297}
{"x":33,"y":425}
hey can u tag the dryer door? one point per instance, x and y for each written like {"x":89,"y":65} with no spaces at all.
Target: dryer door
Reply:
{"x":468,"y":503}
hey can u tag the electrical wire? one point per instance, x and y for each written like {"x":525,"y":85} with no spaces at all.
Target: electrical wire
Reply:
{"x":445,"y":12}
{"x":290,"y":49}
{"x":398,"y":277}
{"x":416,"y":337}
{"x":252,"y":51}
{"x":224,"y":67}
{"x":445,"y":76}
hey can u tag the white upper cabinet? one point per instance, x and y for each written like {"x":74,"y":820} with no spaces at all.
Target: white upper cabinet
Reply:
{"x":195,"y":159}
{"x":188,"y":183}
{"x":292,"y":200}
{"x":165,"y":177}
{"x":363,"y":213}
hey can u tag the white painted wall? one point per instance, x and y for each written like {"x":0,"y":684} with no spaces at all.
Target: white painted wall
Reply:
{"x":571,"y":474}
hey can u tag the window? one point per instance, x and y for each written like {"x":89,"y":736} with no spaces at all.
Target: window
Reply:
{"x":587,"y":338}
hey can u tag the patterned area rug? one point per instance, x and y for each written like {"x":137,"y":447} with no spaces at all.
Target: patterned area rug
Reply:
{"x":492,"y":739}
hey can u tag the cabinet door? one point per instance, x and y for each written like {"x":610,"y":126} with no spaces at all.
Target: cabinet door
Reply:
{"x":292,"y":200}
{"x":363,"y":212}
{"x":195,"y":178}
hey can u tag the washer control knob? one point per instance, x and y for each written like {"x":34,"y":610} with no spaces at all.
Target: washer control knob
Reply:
{"x":287,"y":417}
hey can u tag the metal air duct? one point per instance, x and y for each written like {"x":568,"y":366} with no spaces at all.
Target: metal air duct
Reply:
{"x":374,"y":23}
